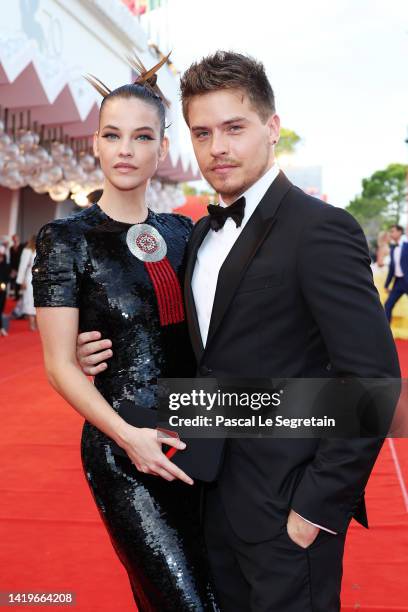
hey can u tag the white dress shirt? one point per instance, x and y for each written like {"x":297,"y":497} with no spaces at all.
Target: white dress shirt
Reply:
{"x":212,"y":254}
{"x":397,"y":257}
{"x":215,"y":248}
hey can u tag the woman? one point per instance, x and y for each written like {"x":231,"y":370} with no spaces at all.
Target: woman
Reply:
{"x":383,"y":249}
{"x":100,"y":269}
{"x":24,"y":278}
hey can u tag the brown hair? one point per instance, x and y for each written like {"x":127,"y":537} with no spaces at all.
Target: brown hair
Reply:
{"x":94,"y":196}
{"x":229,"y":70}
{"x":399,"y":228}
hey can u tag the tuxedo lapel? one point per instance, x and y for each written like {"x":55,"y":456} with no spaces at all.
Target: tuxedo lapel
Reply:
{"x":244,"y":249}
{"x":196,"y":239}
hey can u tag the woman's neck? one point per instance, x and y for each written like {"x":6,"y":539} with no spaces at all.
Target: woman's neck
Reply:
{"x":126,"y":206}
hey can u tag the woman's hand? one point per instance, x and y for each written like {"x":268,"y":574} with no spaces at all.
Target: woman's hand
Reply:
{"x":144,"y":449}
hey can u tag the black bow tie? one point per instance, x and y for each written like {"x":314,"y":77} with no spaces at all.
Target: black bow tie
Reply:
{"x":219,"y":214}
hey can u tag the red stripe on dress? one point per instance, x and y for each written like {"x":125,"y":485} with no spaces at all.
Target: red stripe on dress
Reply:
{"x":168,"y":291}
{"x":167,"y":273}
{"x":159,"y":290}
{"x":176,"y":303}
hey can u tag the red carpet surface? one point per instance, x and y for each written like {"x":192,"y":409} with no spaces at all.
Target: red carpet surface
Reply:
{"x":52,"y":538}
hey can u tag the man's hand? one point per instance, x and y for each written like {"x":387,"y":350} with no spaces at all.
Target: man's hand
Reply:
{"x":92,"y":352}
{"x":300,"y":531}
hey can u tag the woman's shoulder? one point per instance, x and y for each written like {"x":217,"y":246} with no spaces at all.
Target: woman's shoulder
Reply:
{"x":61,"y":256}
{"x":176,"y":221}
{"x":67,"y":229}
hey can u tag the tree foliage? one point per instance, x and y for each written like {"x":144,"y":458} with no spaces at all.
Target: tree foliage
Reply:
{"x":189,"y":189}
{"x":383,"y":199}
{"x":287,"y":142}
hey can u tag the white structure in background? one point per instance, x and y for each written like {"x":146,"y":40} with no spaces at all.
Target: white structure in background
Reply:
{"x":46,"y":46}
{"x":308,"y":178}
{"x":164,"y":197}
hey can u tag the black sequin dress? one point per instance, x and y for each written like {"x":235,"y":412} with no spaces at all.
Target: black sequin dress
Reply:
{"x":83,"y":262}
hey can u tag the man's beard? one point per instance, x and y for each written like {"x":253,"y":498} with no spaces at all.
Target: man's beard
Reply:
{"x":234,"y":191}
{"x":224,"y":187}
{"x":237,"y":188}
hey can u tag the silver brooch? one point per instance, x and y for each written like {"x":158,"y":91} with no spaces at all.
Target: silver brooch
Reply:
{"x":145,"y":243}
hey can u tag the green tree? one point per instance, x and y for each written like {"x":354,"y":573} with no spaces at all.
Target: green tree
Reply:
{"x":189,"y":189}
{"x":287,"y":142}
{"x":382,"y":200}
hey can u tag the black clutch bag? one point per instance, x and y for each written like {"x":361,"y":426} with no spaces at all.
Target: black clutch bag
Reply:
{"x":201,"y":458}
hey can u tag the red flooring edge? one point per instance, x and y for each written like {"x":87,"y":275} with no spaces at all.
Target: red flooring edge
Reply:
{"x":50,"y":532}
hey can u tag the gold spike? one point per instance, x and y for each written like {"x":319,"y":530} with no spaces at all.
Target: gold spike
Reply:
{"x":147,"y":75}
{"x":98,"y":85}
{"x":104,"y":86}
{"x":136,"y":63}
{"x":144,"y":77}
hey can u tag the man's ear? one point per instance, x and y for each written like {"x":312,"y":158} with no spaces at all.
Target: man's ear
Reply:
{"x":95,"y":144}
{"x":273,"y":124}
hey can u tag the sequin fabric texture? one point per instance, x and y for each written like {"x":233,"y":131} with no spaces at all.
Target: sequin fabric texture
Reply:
{"x":84,"y":262}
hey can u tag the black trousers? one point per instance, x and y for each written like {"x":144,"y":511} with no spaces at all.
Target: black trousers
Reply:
{"x":272,"y":576}
{"x":399,"y":288}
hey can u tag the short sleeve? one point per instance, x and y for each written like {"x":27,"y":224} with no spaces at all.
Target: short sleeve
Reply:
{"x":55,"y":271}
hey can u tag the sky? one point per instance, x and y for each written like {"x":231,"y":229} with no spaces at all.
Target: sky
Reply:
{"x":339,"y":70}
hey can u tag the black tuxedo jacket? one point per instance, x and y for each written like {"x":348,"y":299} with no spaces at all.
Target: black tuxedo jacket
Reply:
{"x":295,"y":298}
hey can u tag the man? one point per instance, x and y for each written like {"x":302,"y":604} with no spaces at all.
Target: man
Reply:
{"x":398,"y":271}
{"x":278,"y":286}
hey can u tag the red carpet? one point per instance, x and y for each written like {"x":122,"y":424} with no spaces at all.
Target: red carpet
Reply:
{"x":51,"y":535}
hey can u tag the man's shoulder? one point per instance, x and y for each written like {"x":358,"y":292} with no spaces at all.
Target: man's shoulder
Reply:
{"x":304,"y":203}
{"x":315,"y":210}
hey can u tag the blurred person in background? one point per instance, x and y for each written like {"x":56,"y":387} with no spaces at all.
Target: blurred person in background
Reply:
{"x":383,"y":248}
{"x":15,"y":254}
{"x":398,"y":271}
{"x":24,"y":279}
{"x":4,"y":279}
{"x":380,"y":263}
